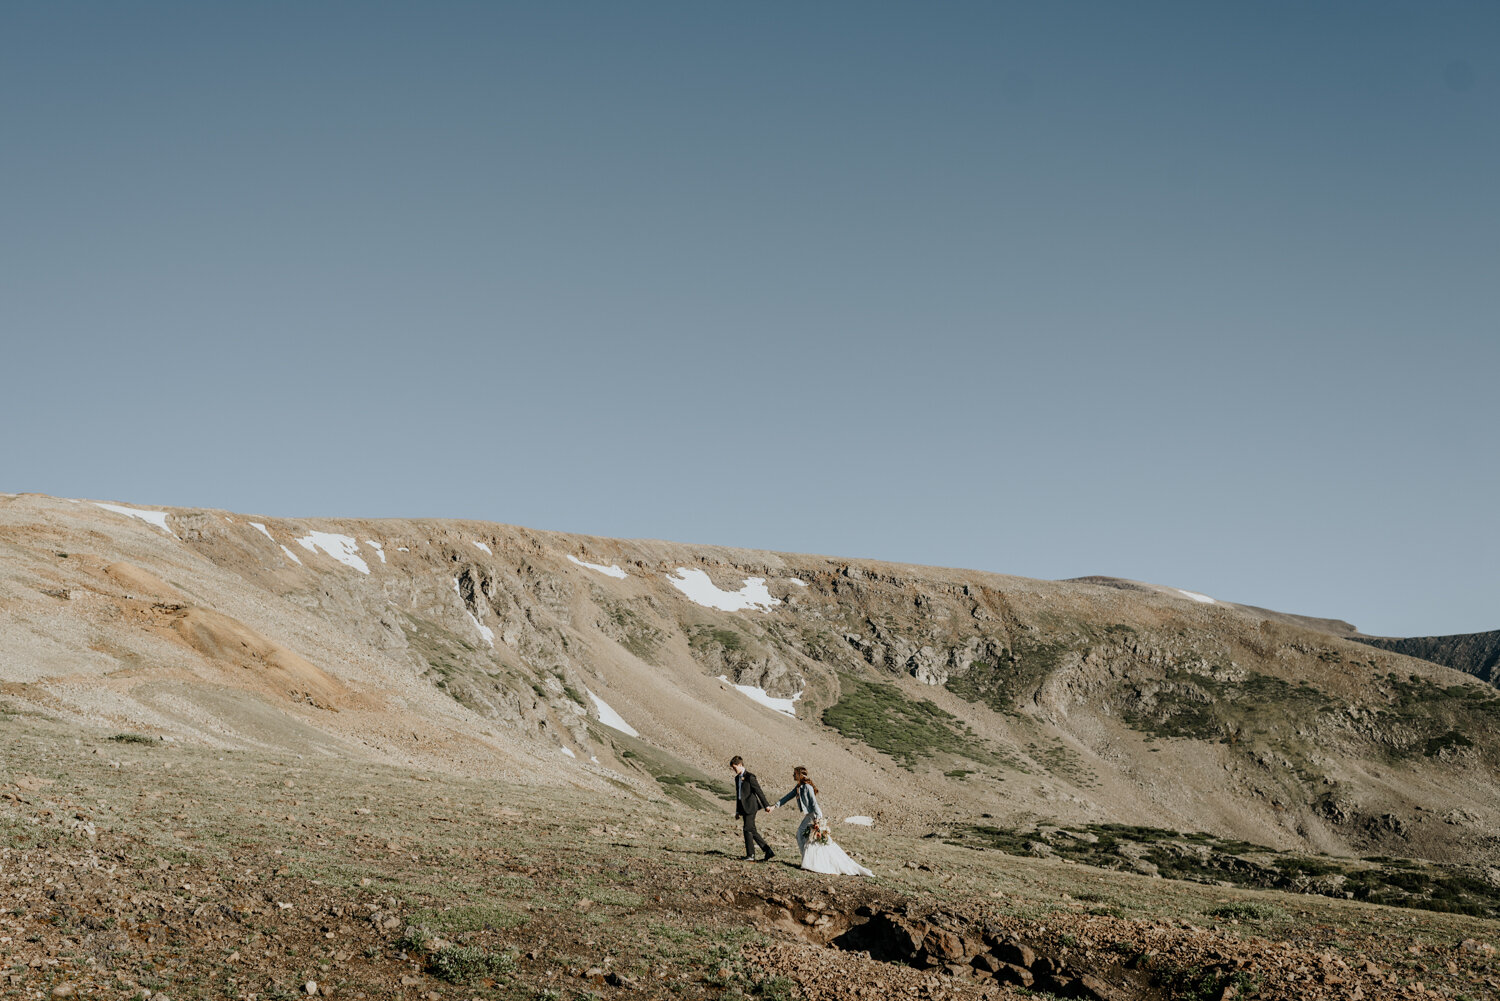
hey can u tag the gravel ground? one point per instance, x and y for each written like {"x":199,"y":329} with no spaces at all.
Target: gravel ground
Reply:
{"x":156,"y":870}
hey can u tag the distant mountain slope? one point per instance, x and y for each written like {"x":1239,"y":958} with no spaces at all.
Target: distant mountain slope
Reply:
{"x":1337,"y":627}
{"x":922,"y":697}
{"x":1472,"y":653}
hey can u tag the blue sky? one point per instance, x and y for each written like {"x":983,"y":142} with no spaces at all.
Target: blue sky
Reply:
{"x":1200,"y":294}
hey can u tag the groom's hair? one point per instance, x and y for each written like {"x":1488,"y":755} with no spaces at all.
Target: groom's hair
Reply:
{"x":736,"y":760}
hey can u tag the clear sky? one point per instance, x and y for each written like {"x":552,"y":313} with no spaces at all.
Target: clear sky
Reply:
{"x":1196,"y":293}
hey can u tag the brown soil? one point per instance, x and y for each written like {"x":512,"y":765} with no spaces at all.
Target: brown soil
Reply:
{"x":131,"y":867}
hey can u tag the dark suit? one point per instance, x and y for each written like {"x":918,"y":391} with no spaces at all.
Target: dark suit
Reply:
{"x":748,"y":801}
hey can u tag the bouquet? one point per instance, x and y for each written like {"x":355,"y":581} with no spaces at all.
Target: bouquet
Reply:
{"x":818,"y":833}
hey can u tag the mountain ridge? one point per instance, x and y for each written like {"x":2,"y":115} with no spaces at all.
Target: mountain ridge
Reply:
{"x":484,"y":649}
{"x":1472,"y":653}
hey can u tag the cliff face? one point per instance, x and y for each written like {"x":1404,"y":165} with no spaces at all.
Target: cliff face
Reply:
{"x":1472,"y":653}
{"x":920,"y":696}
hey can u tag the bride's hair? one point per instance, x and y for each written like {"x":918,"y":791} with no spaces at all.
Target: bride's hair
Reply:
{"x":799,"y":774}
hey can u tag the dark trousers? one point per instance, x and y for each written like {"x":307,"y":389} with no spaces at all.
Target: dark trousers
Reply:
{"x":753,"y":838}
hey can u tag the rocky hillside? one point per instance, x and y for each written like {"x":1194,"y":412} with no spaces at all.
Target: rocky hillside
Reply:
{"x":1473,"y":653}
{"x":922,"y":698}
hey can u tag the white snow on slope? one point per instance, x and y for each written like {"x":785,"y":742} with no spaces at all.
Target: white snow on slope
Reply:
{"x":769,"y":701}
{"x":484,"y":630}
{"x":861,"y":821}
{"x":291,"y":555}
{"x":798,"y":581}
{"x":1205,"y":599}
{"x":610,"y":718}
{"x":609,"y":571}
{"x":569,"y":752}
{"x":481,"y":545}
{"x":379,"y":549}
{"x":340,"y":547}
{"x":157,"y":518}
{"x":699,"y":589}
{"x":263,"y":530}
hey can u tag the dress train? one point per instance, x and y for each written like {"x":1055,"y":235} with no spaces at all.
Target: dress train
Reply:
{"x":829,"y":858}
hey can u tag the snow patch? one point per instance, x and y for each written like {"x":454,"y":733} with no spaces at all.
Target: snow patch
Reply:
{"x":610,"y":718}
{"x":379,"y":549}
{"x":700,"y":590}
{"x":481,"y":545}
{"x":568,"y":751}
{"x":157,"y":518}
{"x":402,"y":549}
{"x":1205,"y":599}
{"x":861,"y":821}
{"x":797,"y":580}
{"x":340,"y":547}
{"x":266,"y":532}
{"x":769,"y":701}
{"x":609,"y":571}
{"x":484,"y":630}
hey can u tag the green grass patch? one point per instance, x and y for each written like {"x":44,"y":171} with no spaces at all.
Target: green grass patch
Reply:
{"x":1441,"y":716}
{"x":707,"y":636}
{"x":462,"y":964}
{"x":1001,"y":685}
{"x":1206,"y":858}
{"x":466,"y":918}
{"x":454,"y":665}
{"x":630,"y":629}
{"x":677,"y":778}
{"x":1206,"y":983}
{"x":1198,"y":706}
{"x":880,"y":715}
{"x":1437,"y":745}
{"x":1061,"y":760}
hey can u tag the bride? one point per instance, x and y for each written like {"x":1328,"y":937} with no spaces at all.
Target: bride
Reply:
{"x":817,"y":855}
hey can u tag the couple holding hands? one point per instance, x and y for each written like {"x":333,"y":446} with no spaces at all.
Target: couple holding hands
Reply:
{"x":819,"y":851}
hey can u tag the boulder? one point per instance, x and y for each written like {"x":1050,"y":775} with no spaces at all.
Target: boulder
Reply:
{"x":945,"y":946}
{"x":1015,"y":953}
{"x":1012,"y":974}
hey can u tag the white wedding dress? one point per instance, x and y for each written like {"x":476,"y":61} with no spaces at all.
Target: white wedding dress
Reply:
{"x":829,"y":858}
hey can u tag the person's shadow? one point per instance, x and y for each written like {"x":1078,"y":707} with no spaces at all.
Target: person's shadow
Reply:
{"x":779,"y":859}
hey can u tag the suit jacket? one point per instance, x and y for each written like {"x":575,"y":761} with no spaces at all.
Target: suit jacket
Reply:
{"x":751,"y":799}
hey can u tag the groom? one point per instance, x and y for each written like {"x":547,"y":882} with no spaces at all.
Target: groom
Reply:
{"x":748,"y":801}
